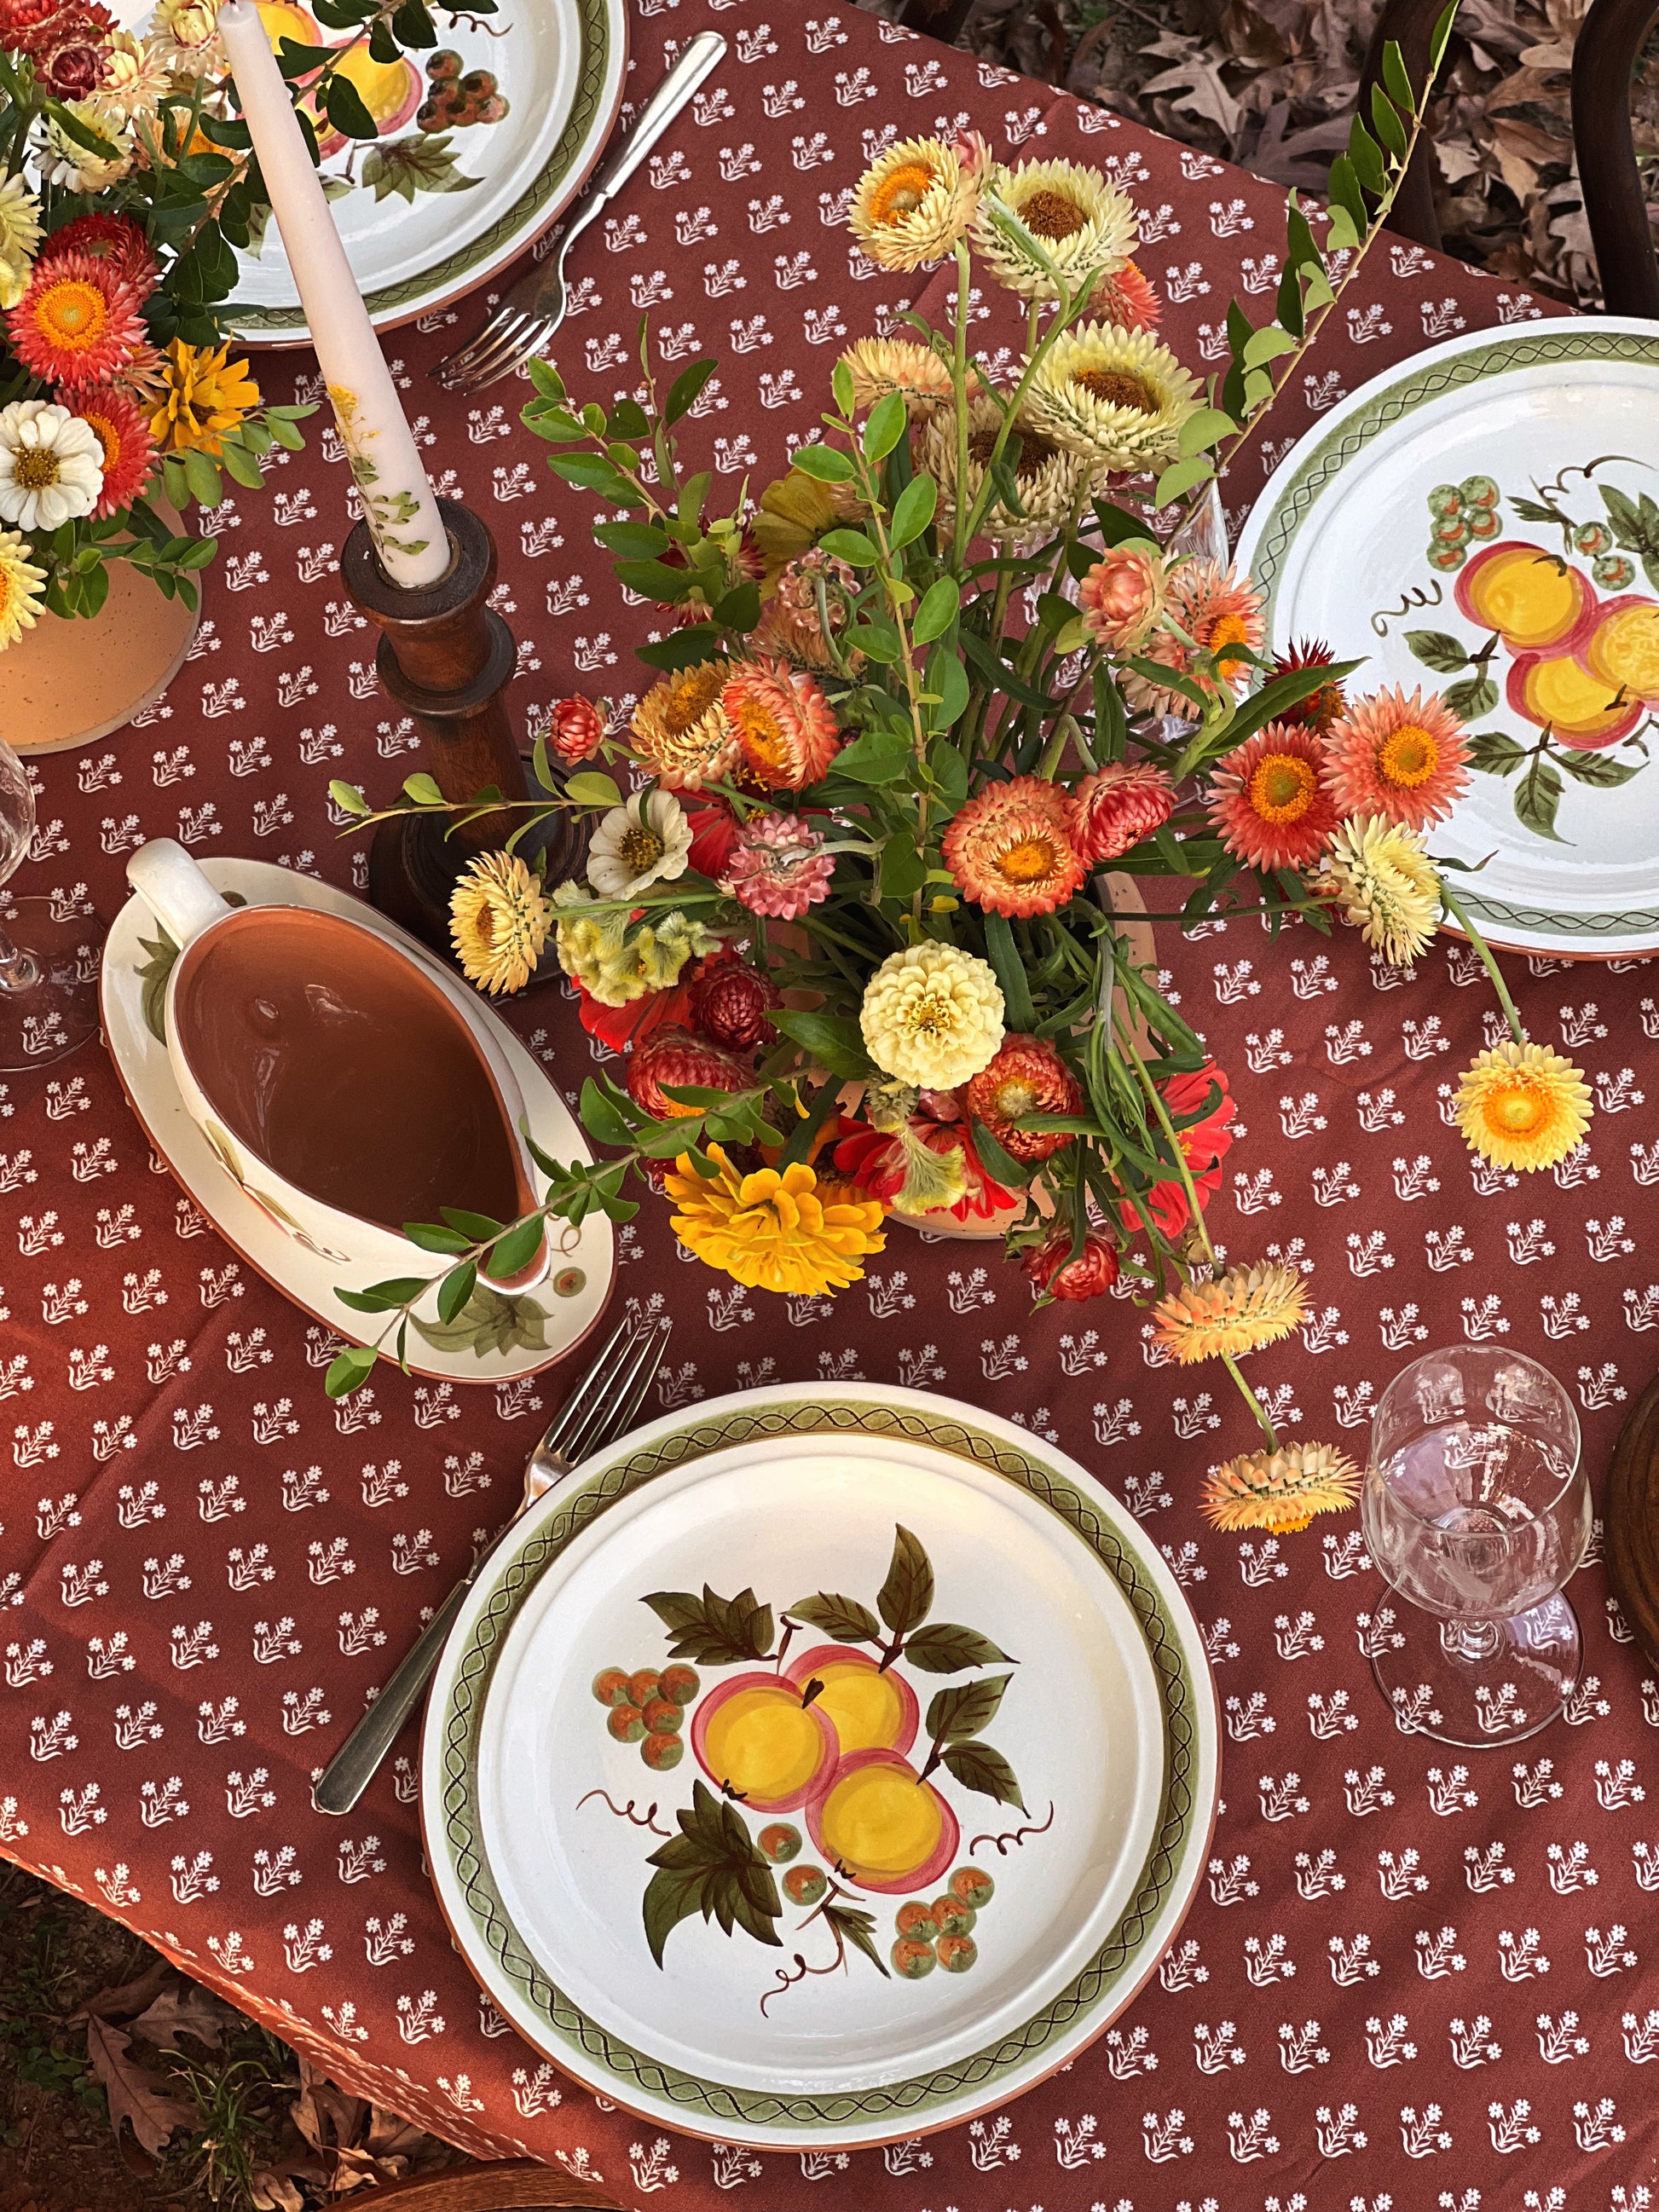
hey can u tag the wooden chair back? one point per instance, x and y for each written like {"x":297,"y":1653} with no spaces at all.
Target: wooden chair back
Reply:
{"x":516,"y":2185}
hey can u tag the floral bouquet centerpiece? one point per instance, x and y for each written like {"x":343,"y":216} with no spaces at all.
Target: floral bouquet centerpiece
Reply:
{"x":924,"y":716}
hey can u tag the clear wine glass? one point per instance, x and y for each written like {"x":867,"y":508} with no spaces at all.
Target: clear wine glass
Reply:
{"x":1476,"y":1507}
{"x":48,"y":959}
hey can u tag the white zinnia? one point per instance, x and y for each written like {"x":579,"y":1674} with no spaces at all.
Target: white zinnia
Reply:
{"x":644,"y":840}
{"x":51,"y":464}
{"x":932,"y":1016}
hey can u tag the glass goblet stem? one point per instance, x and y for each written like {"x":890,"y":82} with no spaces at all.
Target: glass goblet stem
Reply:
{"x":1473,"y":1641}
{"x":18,"y":969}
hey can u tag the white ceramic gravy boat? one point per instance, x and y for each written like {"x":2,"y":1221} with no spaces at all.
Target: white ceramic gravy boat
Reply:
{"x":345,"y":1086}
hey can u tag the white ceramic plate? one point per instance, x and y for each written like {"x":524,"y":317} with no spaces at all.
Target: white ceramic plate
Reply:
{"x":540,"y":1825}
{"x":559,"y":65}
{"x":1542,"y":436}
{"x":585,"y":1270}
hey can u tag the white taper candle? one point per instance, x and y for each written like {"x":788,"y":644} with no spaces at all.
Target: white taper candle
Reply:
{"x":397,"y":502}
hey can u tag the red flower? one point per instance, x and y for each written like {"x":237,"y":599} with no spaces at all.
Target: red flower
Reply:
{"x":713,"y":833}
{"x":674,"y":1056}
{"x":123,"y":434}
{"x":575,"y":729}
{"x":1116,"y":807}
{"x":68,"y":44}
{"x":1048,"y":1266}
{"x":1322,"y":708}
{"x":729,"y":1004}
{"x":622,"y":1026}
{"x":1027,"y":1076}
{"x":874,"y":1160}
{"x":1203,"y":1147}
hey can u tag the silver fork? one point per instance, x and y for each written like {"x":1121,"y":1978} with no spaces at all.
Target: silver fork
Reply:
{"x":599,"y":1409}
{"x":531,"y":312}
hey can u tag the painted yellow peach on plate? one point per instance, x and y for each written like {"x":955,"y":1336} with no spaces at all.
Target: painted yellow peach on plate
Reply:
{"x":873,"y":1709}
{"x":1531,"y":597}
{"x":878,"y":1821}
{"x":1624,"y":647}
{"x":756,"y":1737}
{"x":1583,"y":710}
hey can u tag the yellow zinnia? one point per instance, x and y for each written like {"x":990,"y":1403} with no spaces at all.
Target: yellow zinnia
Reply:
{"x":203,"y":395}
{"x":499,"y":919}
{"x":1243,"y":1308}
{"x":1523,"y":1106}
{"x":777,"y":1229}
{"x":1278,"y":1491}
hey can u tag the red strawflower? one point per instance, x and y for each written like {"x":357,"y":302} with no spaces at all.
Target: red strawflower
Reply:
{"x":1320,"y":709}
{"x":1027,"y":1076}
{"x":20,"y":19}
{"x":1050,"y":1267}
{"x":674,"y":1056}
{"x":68,"y":43}
{"x":729,"y":1004}
{"x":1113,"y":808}
{"x":575,"y":729}
{"x":77,"y":323}
{"x":123,"y":434}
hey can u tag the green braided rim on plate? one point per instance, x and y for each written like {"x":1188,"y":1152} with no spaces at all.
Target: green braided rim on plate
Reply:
{"x":593,"y":24}
{"x":1537,"y":348}
{"x":1177,"y":1832}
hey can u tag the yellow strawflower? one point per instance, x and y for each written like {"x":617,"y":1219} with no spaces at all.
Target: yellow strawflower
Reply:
{"x":1278,"y":1491}
{"x":1385,"y":884}
{"x":20,"y":583}
{"x":1523,"y":1106}
{"x":1243,"y":1308}
{"x":499,"y":919}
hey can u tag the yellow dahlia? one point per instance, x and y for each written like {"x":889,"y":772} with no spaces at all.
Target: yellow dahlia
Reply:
{"x":1083,"y":225}
{"x":204,"y":393}
{"x":1523,"y":1106}
{"x":917,"y":199}
{"x":775,"y":1229}
{"x":1278,"y":1491}
{"x":1048,"y":478}
{"x":878,"y":366}
{"x":1010,"y":848}
{"x":1385,"y":884}
{"x":783,"y":727}
{"x":1243,"y":1308}
{"x":680,"y":730}
{"x":1116,"y":398}
{"x":616,"y":961}
{"x":20,"y":234}
{"x":21,"y":588}
{"x":499,"y":919}
{"x":932,"y":1016}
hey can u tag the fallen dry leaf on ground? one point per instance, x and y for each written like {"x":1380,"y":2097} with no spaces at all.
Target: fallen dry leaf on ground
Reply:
{"x":183,"y":2009}
{"x":134,"y":2093}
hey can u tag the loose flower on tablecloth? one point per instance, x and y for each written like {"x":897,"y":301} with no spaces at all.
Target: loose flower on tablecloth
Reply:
{"x":923,"y":718}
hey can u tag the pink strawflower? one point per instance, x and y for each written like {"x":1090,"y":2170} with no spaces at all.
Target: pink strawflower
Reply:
{"x":778,"y":866}
{"x":1116,"y":807}
{"x":1404,"y":758}
{"x":1010,"y":848}
{"x":1220,"y":611}
{"x":1123,"y":596}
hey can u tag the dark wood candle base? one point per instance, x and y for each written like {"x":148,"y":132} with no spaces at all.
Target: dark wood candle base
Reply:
{"x":1631,"y":1527}
{"x":446,"y":658}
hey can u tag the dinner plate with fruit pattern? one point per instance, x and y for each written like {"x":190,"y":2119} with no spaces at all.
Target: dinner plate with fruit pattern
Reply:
{"x":819,"y":1766}
{"x":482,"y":140}
{"x":1483,"y":519}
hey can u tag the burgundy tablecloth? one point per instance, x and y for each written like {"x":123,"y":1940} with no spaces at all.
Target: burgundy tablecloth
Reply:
{"x":1414,"y":1980}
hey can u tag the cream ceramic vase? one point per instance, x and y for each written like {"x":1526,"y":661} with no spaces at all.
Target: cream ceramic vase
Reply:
{"x":343,"y":1084}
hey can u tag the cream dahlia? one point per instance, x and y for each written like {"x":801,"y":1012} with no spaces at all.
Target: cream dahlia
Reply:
{"x":932,"y":1015}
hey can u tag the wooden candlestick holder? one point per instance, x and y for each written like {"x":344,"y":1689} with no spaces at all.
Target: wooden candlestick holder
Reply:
{"x":445,"y":657}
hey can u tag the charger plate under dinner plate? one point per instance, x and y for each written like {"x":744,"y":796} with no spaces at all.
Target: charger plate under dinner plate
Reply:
{"x":484,"y":141}
{"x":551,"y":1321}
{"x":1484,"y":519}
{"x":930,"y":1734}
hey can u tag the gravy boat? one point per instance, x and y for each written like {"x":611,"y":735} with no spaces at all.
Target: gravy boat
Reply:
{"x":342,"y":1084}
